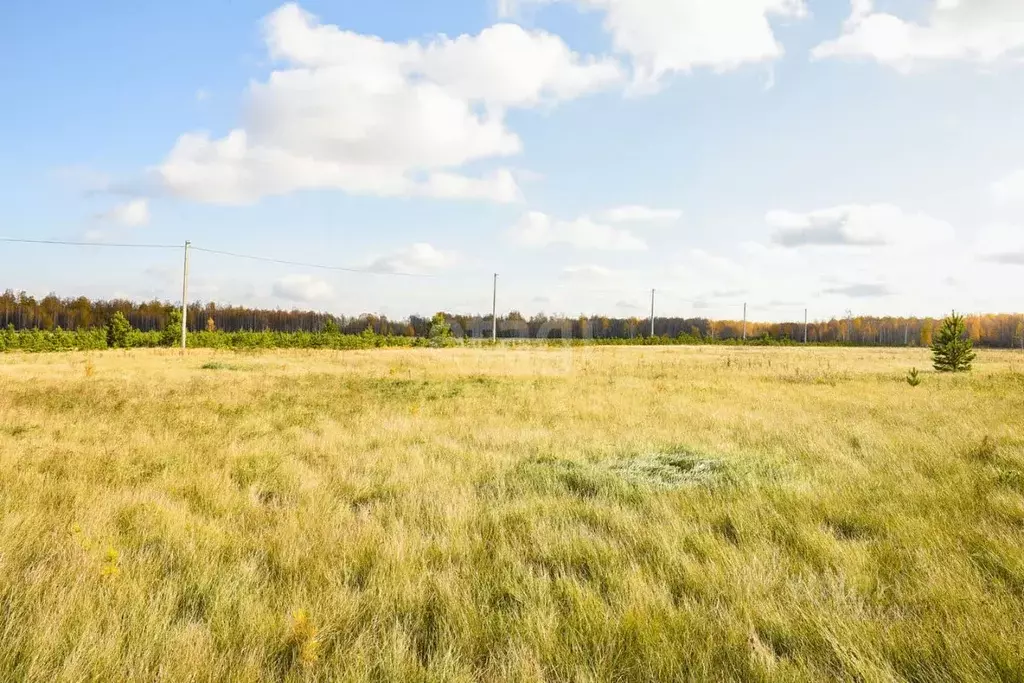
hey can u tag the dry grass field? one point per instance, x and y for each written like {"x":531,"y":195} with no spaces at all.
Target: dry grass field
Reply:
{"x":534,"y":514}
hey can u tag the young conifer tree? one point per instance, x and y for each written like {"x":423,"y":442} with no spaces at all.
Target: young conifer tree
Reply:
{"x":952,"y":350}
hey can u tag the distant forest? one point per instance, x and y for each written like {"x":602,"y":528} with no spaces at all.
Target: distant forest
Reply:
{"x":24,"y":312}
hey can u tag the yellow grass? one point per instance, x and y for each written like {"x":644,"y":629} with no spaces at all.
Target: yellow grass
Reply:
{"x":529,"y":514}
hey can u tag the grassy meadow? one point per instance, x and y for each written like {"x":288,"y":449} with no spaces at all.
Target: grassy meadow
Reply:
{"x":511,"y":514}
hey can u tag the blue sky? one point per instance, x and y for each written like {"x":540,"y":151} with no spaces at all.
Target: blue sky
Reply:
{"x":865,"y":156}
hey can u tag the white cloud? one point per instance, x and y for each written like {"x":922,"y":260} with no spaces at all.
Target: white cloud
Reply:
{"x":1001,"y":244}
{"x":499,"y":186}
{"x":367,"y":116}
{"x":666,"y":36}
{"x":629,"y":305}
{"x":983,"y":31}
{"x":304,"y":288}
{"x":131,"y":214}
{"x":859,"y":225}
{"x":588,"y":272}
{"x":536,"y":229}
{"x":1010,"y":189}
{"x":507,"y":66}
{"x":418,"y":258}
{"x":718,"y":267}
{"x":202,"y":95}
{"x":635,"y":213}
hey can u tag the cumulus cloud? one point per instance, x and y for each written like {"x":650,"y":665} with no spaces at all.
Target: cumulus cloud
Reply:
{"x":360,"y":114}
{"x":1009,"y":189}
{"x":418,"y":258}
{"x":536,"y":229}
{"x":303,"y":288}
{"x":636,"y":213}
{"x":1001,"y":244}
{"x":983,"y":31}
{"x":131,"y":214}
{"x":665,"y":36}
{"x":712,"y":265}
{"x":856,"y":225}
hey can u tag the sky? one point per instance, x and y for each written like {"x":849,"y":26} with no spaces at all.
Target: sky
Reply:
{"x":863,"y":156}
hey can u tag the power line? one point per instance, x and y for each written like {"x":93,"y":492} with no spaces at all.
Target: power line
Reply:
{"x":574,"y":289}
{"x":364,"y":271}
{"x":90,"y":244}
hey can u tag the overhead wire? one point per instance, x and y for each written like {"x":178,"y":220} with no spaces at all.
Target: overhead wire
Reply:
{"x":362,"y":271}
{"x":91,"y":244}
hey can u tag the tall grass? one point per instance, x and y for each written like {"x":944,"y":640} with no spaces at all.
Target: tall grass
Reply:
{"x":589,"y":514}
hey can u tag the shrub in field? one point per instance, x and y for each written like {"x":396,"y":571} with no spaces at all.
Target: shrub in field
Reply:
{"x":137,"y":339}
{"x":171,"y":334}
{"x":912,"y":377}
{"x":37,"y":341}
{"x":118,"y":329}
{"x":952,"y":350}
{"x":440,"y":331}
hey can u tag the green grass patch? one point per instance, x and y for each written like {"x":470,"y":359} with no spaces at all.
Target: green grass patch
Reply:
{"x":219,"y":365}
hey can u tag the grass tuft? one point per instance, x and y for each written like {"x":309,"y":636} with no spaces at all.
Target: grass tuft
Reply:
{"x":219,"y":365}
{"x":673,"y":471}
{"x":985,"y":451}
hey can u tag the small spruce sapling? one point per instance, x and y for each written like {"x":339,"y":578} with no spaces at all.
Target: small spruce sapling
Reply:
{"x":952,"y":350}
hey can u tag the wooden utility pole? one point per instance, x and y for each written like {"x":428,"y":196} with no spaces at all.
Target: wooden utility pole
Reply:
{"x":184,"y":300}
{"x":652,"y":313}
{"x":494,"y":310}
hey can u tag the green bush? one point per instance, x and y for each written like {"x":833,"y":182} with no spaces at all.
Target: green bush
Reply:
{"x":37,"y":341}
{"x":440,"y":331}
{"x":171,"y":335}
{"x":118,"y":330}
{"x":119,"y":334}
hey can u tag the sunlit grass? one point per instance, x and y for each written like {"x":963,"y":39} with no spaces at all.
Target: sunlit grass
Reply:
{"x":511,"y":515}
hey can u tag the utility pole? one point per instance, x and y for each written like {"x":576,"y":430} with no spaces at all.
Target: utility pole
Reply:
{"x":744,"y":320}
{"x":184,"y":300}
{"x":494,"y":310}
{"x":652,"y":313}
{"x":805,"y":326}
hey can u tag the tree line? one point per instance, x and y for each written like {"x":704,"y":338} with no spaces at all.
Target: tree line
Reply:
{"x":21,"y":311}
